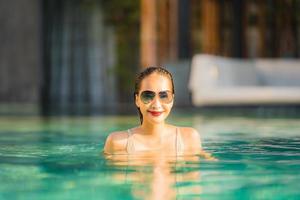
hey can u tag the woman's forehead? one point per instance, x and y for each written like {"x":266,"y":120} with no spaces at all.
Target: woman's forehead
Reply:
{"x":156,"y":82}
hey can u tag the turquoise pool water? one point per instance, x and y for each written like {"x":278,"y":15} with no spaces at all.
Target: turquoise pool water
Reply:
{"x":60,"y":158}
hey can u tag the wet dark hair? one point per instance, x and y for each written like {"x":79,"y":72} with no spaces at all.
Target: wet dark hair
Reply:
{"x":143,"y":74}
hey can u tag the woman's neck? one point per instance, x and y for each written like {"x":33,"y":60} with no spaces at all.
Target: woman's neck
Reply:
{"x":153,"y":129}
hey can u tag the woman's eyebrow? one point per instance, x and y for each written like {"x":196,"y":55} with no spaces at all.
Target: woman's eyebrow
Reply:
{"x":165,"y":91}
{"x":154,"y":91}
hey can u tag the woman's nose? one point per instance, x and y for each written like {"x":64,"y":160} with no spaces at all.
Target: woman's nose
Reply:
{"x":156,"y":101}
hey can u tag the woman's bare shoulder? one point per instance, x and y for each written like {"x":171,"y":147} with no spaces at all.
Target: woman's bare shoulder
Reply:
{"x":190,"y":136}
{"x":118,"y":135}
{"x":116,"y":142}
{"x":189,"y":132}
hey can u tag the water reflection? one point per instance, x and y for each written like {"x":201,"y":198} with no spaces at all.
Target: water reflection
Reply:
{"x":157,"y":176}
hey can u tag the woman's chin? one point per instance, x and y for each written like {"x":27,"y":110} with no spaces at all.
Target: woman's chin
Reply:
{"x":156,"y":121}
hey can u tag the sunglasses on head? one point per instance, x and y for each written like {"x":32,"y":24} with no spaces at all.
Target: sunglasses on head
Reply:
{"x":164,"y":96}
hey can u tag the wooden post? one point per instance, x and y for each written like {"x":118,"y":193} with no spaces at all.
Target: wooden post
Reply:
{"x":163,"y":31}
{"x":210,"y":26}
{"x":148,"y":33}
{"x":173,"y":30}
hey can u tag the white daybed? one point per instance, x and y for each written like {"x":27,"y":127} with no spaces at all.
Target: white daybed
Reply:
{"x":218,"y":80}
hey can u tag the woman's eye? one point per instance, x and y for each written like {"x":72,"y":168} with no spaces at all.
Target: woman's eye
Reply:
{"x":149,"y":95}
{"x":163,"y":95}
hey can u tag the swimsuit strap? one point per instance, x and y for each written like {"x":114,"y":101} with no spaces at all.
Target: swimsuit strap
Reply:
{"x":129,"y":146}
{"x":179,"y":144}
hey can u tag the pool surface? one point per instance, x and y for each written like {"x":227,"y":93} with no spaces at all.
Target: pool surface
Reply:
{"x":60,"y":158}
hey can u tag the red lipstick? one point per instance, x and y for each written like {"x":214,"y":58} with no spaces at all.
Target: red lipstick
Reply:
{"x":155,"y":113}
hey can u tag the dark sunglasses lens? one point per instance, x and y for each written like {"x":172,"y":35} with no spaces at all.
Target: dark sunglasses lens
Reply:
{"x":147,"y":96}
{"x":166,"y":96}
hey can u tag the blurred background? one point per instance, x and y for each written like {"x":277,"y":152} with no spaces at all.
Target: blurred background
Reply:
{"x":81,"y":56}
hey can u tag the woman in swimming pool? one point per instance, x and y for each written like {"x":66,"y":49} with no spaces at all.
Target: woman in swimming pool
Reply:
{"x":154,"y":98}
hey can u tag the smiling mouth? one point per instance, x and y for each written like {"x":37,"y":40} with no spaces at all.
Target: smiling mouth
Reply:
{"x":155,"y":113}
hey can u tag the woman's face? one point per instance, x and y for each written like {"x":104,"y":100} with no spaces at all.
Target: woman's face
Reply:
{"x":155,"y":111}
